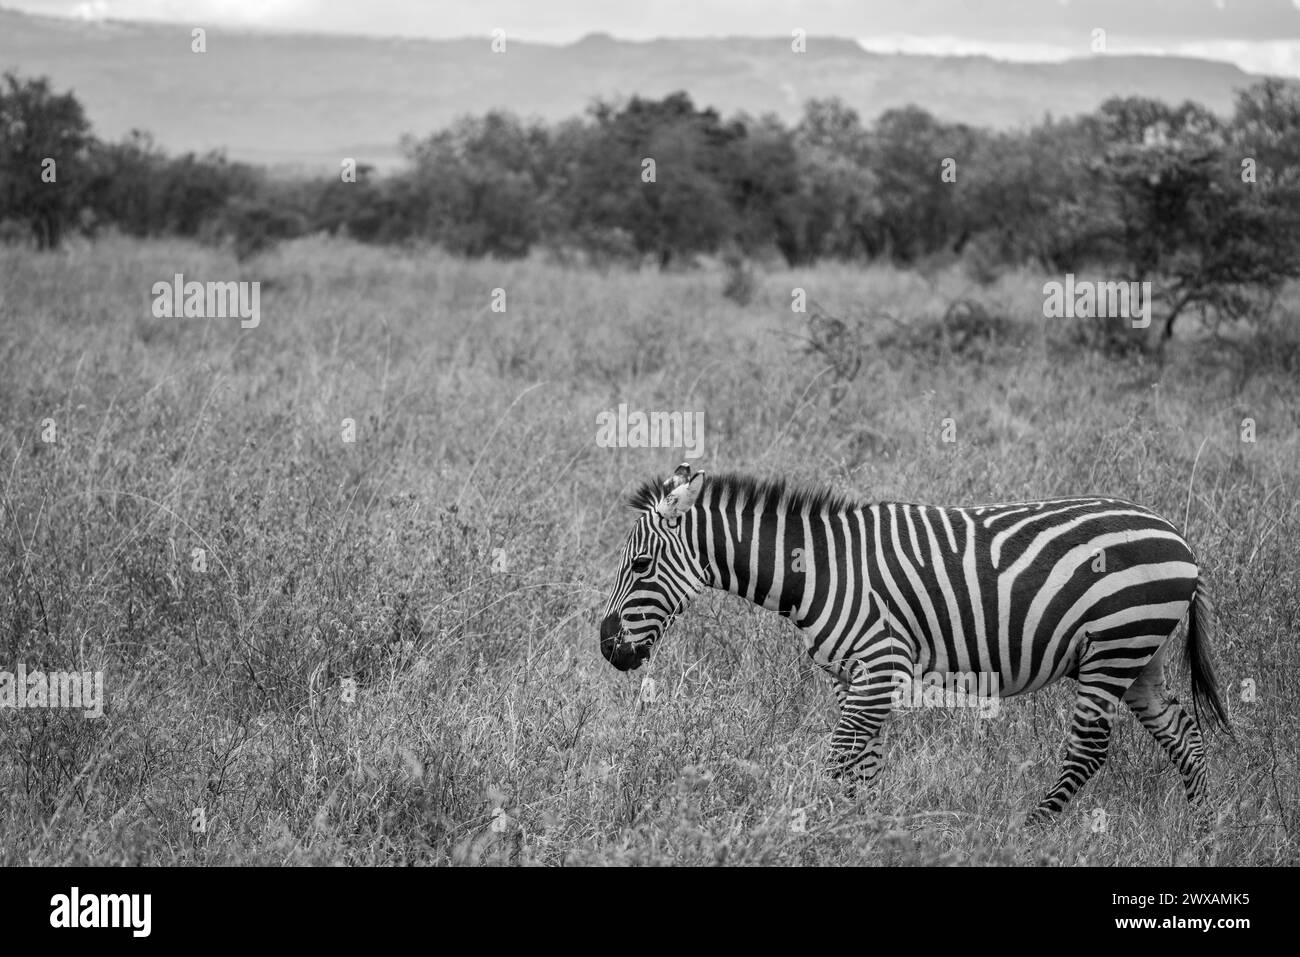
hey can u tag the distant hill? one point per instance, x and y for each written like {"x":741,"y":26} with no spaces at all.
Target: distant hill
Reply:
{"x":309,"y":99}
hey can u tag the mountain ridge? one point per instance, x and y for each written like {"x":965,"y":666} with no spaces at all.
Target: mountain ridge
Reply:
{"x":307,"y":99}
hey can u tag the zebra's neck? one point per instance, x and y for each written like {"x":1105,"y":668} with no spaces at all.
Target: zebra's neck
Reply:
{"x":769,"y":553}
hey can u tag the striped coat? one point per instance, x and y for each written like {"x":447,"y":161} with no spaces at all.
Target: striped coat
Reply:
{"x":1019,"y":594}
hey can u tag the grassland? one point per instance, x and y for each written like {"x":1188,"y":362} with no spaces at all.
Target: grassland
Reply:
{"x":450,"y":563}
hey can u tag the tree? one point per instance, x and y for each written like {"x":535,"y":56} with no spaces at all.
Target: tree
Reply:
{"x":919,"y":209}
{"x":124,"y":185}
{"x":764,"y":189}
{"x":480,"y":184}
{"x":685,"y":207}
{"x":1185,"y":217}
{"x":1027,"y":195}
{"x":44,"y":139}
{"x":196,"y":189}
{"x":365,"y":209}
{"x":838,"y":191}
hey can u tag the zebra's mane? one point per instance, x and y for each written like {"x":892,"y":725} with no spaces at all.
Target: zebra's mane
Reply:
{"x":754,"y":493}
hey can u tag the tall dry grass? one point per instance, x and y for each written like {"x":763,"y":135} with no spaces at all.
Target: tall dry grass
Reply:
{"x":449,"y":565}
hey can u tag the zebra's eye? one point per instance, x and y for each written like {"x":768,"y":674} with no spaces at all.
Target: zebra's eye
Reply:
{"x":642,"y":564}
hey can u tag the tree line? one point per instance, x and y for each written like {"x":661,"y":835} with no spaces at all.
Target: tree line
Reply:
{"x":1210,"y":206}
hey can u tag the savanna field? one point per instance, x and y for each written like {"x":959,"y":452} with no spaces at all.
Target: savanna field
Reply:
{"x":390,"y":656}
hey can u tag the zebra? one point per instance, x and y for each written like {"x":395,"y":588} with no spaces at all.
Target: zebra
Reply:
{"x":1027,"y":592}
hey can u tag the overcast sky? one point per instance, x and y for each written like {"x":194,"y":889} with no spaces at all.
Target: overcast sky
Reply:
{"x":1258,"y":35}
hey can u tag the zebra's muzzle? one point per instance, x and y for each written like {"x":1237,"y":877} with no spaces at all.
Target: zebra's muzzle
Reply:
{"x":618,"y":651}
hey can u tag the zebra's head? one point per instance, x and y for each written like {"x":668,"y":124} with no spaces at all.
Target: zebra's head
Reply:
{"x":660,"y":570}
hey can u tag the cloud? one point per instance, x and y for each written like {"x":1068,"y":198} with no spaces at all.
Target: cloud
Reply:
{"x":1031,"y":22}
{"x":298,"y":14}
{"x":1280,"y":57}
{"x":94,"y":10}
{"x":963,"y":46}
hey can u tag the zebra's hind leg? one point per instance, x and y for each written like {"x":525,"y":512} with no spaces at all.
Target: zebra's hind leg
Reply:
{"x":1171,"y":726}
{"x":1085,"y":751}
{"x":1111,"y":660}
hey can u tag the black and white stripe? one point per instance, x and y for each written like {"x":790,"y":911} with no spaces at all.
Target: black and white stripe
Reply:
{"x":1027,"y":593}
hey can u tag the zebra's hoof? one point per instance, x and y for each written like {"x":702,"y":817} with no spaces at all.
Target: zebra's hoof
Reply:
{"x":1040,"y":817}
{"x":842,"y":783}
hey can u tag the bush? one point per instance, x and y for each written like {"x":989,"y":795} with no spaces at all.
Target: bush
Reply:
{"x":740,"y":284}
{"x":965,"y":329}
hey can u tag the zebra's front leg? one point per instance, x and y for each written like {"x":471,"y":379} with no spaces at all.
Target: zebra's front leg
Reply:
{"x":841,"y":690}
{"x":866,"y":697}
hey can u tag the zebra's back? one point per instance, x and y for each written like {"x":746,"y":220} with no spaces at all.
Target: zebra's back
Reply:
{"x":1017,"y":589}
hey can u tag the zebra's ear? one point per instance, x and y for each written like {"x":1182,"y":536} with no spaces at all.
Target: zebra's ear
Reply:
{"x":680,"y":476}
{"x":681,"y":499}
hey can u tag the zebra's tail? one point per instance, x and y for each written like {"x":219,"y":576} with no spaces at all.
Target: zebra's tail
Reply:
{"x":1196,"y":654}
